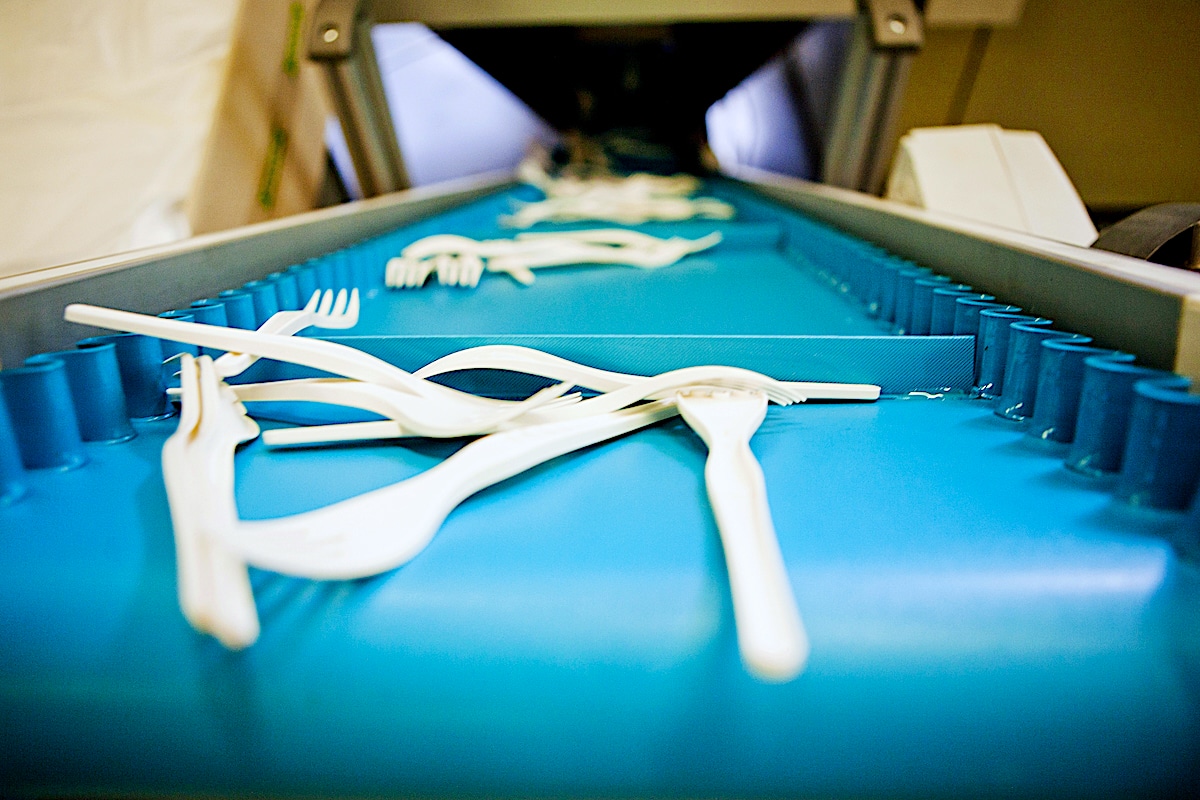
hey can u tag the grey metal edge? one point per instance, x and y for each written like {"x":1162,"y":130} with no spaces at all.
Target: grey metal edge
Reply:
{"x":1122,"y":302}
{"x":161,"y":278}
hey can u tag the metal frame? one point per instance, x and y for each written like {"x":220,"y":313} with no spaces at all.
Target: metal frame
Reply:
{"x":887,"y":34}
{"x":161,"y":278}
{"x":1145,"y":309}
{"x":340,"y":40}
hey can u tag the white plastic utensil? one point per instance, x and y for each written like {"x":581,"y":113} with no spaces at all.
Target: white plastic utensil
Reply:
{"x":214,"y":586}
{"x":531,"y":361}
{"x":609,"y":206}
{"x":322,"y":311}
{"x":646,"y":256}
{"x":404,"y":272}
{"x":194,"y":583}
{"x":380,"y":530}
{"x":319,"y":354}
{"x":770,"y":634}
{"x":395,"y":406}
{"x":460,"y":261}
{"x":415,"y":415}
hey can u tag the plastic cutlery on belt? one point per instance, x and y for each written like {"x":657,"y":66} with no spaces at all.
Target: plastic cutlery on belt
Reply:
{"x":527,"y":360}
{"x":315,"y":353}
{"x":646,"y":256}
{"x":415,"y":416}
{"x":322,"y":311}
{"x":377,"y":400}
{"x":460,"y":261}
{"x":770,"y":634}
{"x":516,"y":358}
{"x":382,"y":529}
{"x":197,"y":460}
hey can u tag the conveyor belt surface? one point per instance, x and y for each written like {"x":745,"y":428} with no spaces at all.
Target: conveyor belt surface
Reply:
{"x":984,"y":621}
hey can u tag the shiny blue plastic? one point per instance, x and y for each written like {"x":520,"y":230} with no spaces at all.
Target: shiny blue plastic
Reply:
{"x":984,"y":622}
{"x":1060,"y":384}
{"x":38,"y":398}
{"x":140,"y":359}
{"x":942,"y":305}
{"x":1105,"y":403}
{"x":1161,"y":463}
{"x":343,"y":273}
{"x":239,"y":308}
{"x":266,"y":300}
{"x":905,"y":280}
{"x":966,"y":315}
{"x":888,"y":276}
{"x":287,"y":289}
{"x":326,"y":274}
{"x":94,"y":379}
{"x":209,"y":312}
{"x":171,"y":349}
{"x":306,"y":280}
{"x":12,"y":471}
{"x":995,"y":330}
{"x":921,"y":316}
{"x":1017,"y":400}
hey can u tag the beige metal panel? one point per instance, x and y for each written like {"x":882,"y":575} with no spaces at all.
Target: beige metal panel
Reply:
{"x":473,"y":13}
{"x":966,"y":13}
{"x":1111,"y":85}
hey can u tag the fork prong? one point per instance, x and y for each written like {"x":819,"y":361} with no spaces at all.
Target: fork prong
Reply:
{"x":339,"y":305}
{"x":470,"y":268}
{"x":443,"y":265}
{"x":326,"y":303}
{"x":311,"y":305}
{"x":416,"y":273}
{"x":393,"y":273}
{"x":351,"y":312}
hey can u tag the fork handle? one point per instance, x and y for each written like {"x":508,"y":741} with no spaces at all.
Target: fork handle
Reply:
{"x":770,"y":634}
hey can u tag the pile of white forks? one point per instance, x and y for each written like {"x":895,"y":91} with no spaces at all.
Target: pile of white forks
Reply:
{"x":382,"y":529}
{"x":461,"y":261}
{"x":628,"y":200}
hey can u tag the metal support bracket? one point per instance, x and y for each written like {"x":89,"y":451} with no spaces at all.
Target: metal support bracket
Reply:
{"x":886,"y":35}
{"x":340,"y":40}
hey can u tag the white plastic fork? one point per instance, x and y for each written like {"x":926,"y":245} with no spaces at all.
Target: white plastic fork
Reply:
{"x":406,"y":272}
{"x":197,"y":460}
{"x":377,"y":400}
{"x":321,"y":311}
{"x":332,"y":357}
{"x":542,"y":364}
{"x":770,"y":633}
{"x":416,"y":416}
{"x":382,"y":529}
{"x":659,"y":253}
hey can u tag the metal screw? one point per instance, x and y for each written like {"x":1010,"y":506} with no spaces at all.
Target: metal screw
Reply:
{"x":897,"y":24}
{"x":330,"y":35}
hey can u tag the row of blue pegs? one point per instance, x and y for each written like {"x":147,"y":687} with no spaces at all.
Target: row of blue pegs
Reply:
{"x":1135,"y":424}
{"x":1116,"y":418}
{"x":57,"y":401}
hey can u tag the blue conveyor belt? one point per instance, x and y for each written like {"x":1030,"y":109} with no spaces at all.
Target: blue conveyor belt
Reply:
{"x":985,"y":622}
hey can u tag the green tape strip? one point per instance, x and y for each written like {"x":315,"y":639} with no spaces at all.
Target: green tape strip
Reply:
{"x":291,"y":57}
{"x":272,"y":171}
